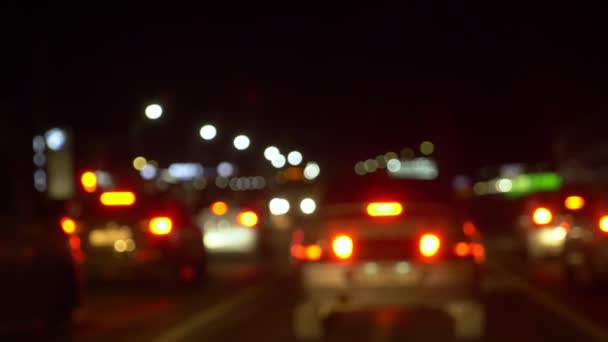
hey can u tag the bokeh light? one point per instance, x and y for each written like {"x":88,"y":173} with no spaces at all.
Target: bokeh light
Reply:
{"x":294,"y":158}
{"x":427,"y":148}
{"x":154,"y":111}
{"x":279,"y":161}
{"x":278,"y":206}
{"x":241,"y":142}
{"x":139,"y":163}
{"x":208,"y":132}
{"x":271,"y":152}
{"x":312,"y":170}
{"x":308,"y":206}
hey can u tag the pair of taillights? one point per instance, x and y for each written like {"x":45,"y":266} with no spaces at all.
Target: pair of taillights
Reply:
{"x":343,"y":248}
{"x":543,"y":216}
{"x":160,"y":225}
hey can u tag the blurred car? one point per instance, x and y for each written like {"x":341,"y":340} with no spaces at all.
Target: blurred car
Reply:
{"x":122,"y":235}
{"x":230,"y":230}
{"x":359,"y":257}
{"x":39,"y":280}
{"x":585,"y":256}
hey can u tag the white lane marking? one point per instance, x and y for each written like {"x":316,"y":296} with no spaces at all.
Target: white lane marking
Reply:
{"x":586,"y":326}
{"x":207,"y":316}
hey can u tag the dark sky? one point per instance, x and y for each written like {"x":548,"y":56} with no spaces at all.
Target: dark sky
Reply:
{"x":488,"y":85}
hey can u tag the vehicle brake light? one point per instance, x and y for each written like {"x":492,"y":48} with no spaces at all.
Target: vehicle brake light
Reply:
{"x":89,"y":181}
{"x":68,"y":225}
{"x":342,"y":246}
{"x":604,"y":224}
{"x":310,"y":252}
{"x":117,"y":198}
{"x":248,"y":218}
{"x":219,"y":208}
{"x":160,"y":226}
{"x":384,"y":209}
{"x":429,"y":245}
{"x":542,"y":216}
{"x":462,"y":249}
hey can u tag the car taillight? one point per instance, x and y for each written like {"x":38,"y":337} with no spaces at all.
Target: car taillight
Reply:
{"x":469,"y":249}
{"x":68,"y":225}
{"x":384,"y":209}
{"x":603,"y":223}
{"x":117,"y":198}
{"x":160,"y":226}
{"x":342,"y":246}
{"x":574,"y":202}
{"x":429,"y":245}
{"x":248,"y":218}
{"x":462,"y":249}
{"x":306,"y":252}
{"x":542,"y":216}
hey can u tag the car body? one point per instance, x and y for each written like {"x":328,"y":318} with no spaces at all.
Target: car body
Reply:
{"x":40,"y":283}
{"x":123,"y":235}
{"x":350,"y":260}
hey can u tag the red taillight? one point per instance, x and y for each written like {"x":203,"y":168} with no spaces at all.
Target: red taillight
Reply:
{"x":469,"y":249}
{"x":542,"y":216}
{"x":342,"y":246}
{"x":248,"y":218}
{"x":160,"y":226}
{"x":384,"y":209}
{"x":604,"y":224}
{"x":310,"y":252}
{"x":68,"y":225}
{"x":462,"y":249}
{"x":429,"y":245}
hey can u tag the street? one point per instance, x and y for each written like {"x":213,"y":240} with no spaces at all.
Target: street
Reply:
{"x":247,"y":303}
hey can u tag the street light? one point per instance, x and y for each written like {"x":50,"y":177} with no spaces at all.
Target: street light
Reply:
{"x":312,"y":171}
{"x":294,"y":158}
{"x":241,"y":142}
{"x":208,"y":132}
{"x":279,"y":161}
{"x":271,"y":152}
{"x":154,"y":111}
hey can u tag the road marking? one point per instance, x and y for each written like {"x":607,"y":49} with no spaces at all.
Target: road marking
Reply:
{"x":214,"y":313}
{"x":586,"y":326}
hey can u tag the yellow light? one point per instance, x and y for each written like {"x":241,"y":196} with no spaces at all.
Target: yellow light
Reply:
{"x":604,"y":224}
{"x":117,"y":198}
{"x":161,"y":225}
{"x":342,"y":247}
{"x":313,"y":252}
{"x":384,"y":209}
{"x":139,"y":163}
{"x":248,"y":218}
{"x":462,"y":249}
{"x":542,"y":216}
{"x":574,"y":202}
{"x":89,"y":181}
{"x":429,"y":245}
{"x":68,"y":225}
{"x":219,"y":208}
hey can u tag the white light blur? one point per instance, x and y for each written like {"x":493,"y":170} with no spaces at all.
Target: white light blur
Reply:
{"x":39,"y":159}
{"x":208,"y":132}
{"x":271,"y":152}
{"x":40,"y":175}
{"x":55,"y":139}
{"x":278,"y":206}
{"x":148,"y":172}
{"x":279,"y":161}
{"x":234,"y":184}
{"x":154,"y":111}
{"x":259,"y":182}
{"x":120,"y":246}
{"x":294,"y":158}
{"x":393,"y":165}
{"x":225,"y":169}
{"x":221,"y":182}
{"x":186,"y":171}
{"x":311,"y":170}
{"x":241,"y":142}
{"x":504,"y":185}
{"x":308,"y":206}
{"x":38,"y":143}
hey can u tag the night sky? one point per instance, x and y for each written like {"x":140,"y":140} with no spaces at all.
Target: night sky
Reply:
{"x":487,"y":85}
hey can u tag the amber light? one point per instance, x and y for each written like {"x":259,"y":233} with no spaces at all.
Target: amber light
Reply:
{"x":118,"y":198}
{"x":542,"y":216}
{"x":462,"y":249}
{"x":384,"y":209}
{"x":68,"y":225}
{"x":248,"y":218}
{"x":342,"y":246}
{"x":89,"y":181}
{"x":161,"y":225}
{"x":219,"y":208}
{"x":310,"y":252}
{"x":574,"y":202}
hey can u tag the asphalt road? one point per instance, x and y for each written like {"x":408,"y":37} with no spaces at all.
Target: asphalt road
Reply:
{"x":524,"y":302}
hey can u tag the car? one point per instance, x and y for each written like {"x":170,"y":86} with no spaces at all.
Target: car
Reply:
{"x":40,"y":282}
{"x":366,"y":256}
{"x":585,"y":256}
{"x":127,"y":236}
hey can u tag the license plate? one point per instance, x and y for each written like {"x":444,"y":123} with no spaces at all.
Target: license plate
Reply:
{"x":394,"y":274}
{"x":108,"y":236}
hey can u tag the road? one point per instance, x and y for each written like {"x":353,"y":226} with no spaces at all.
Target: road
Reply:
{"x":524,"y":302}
